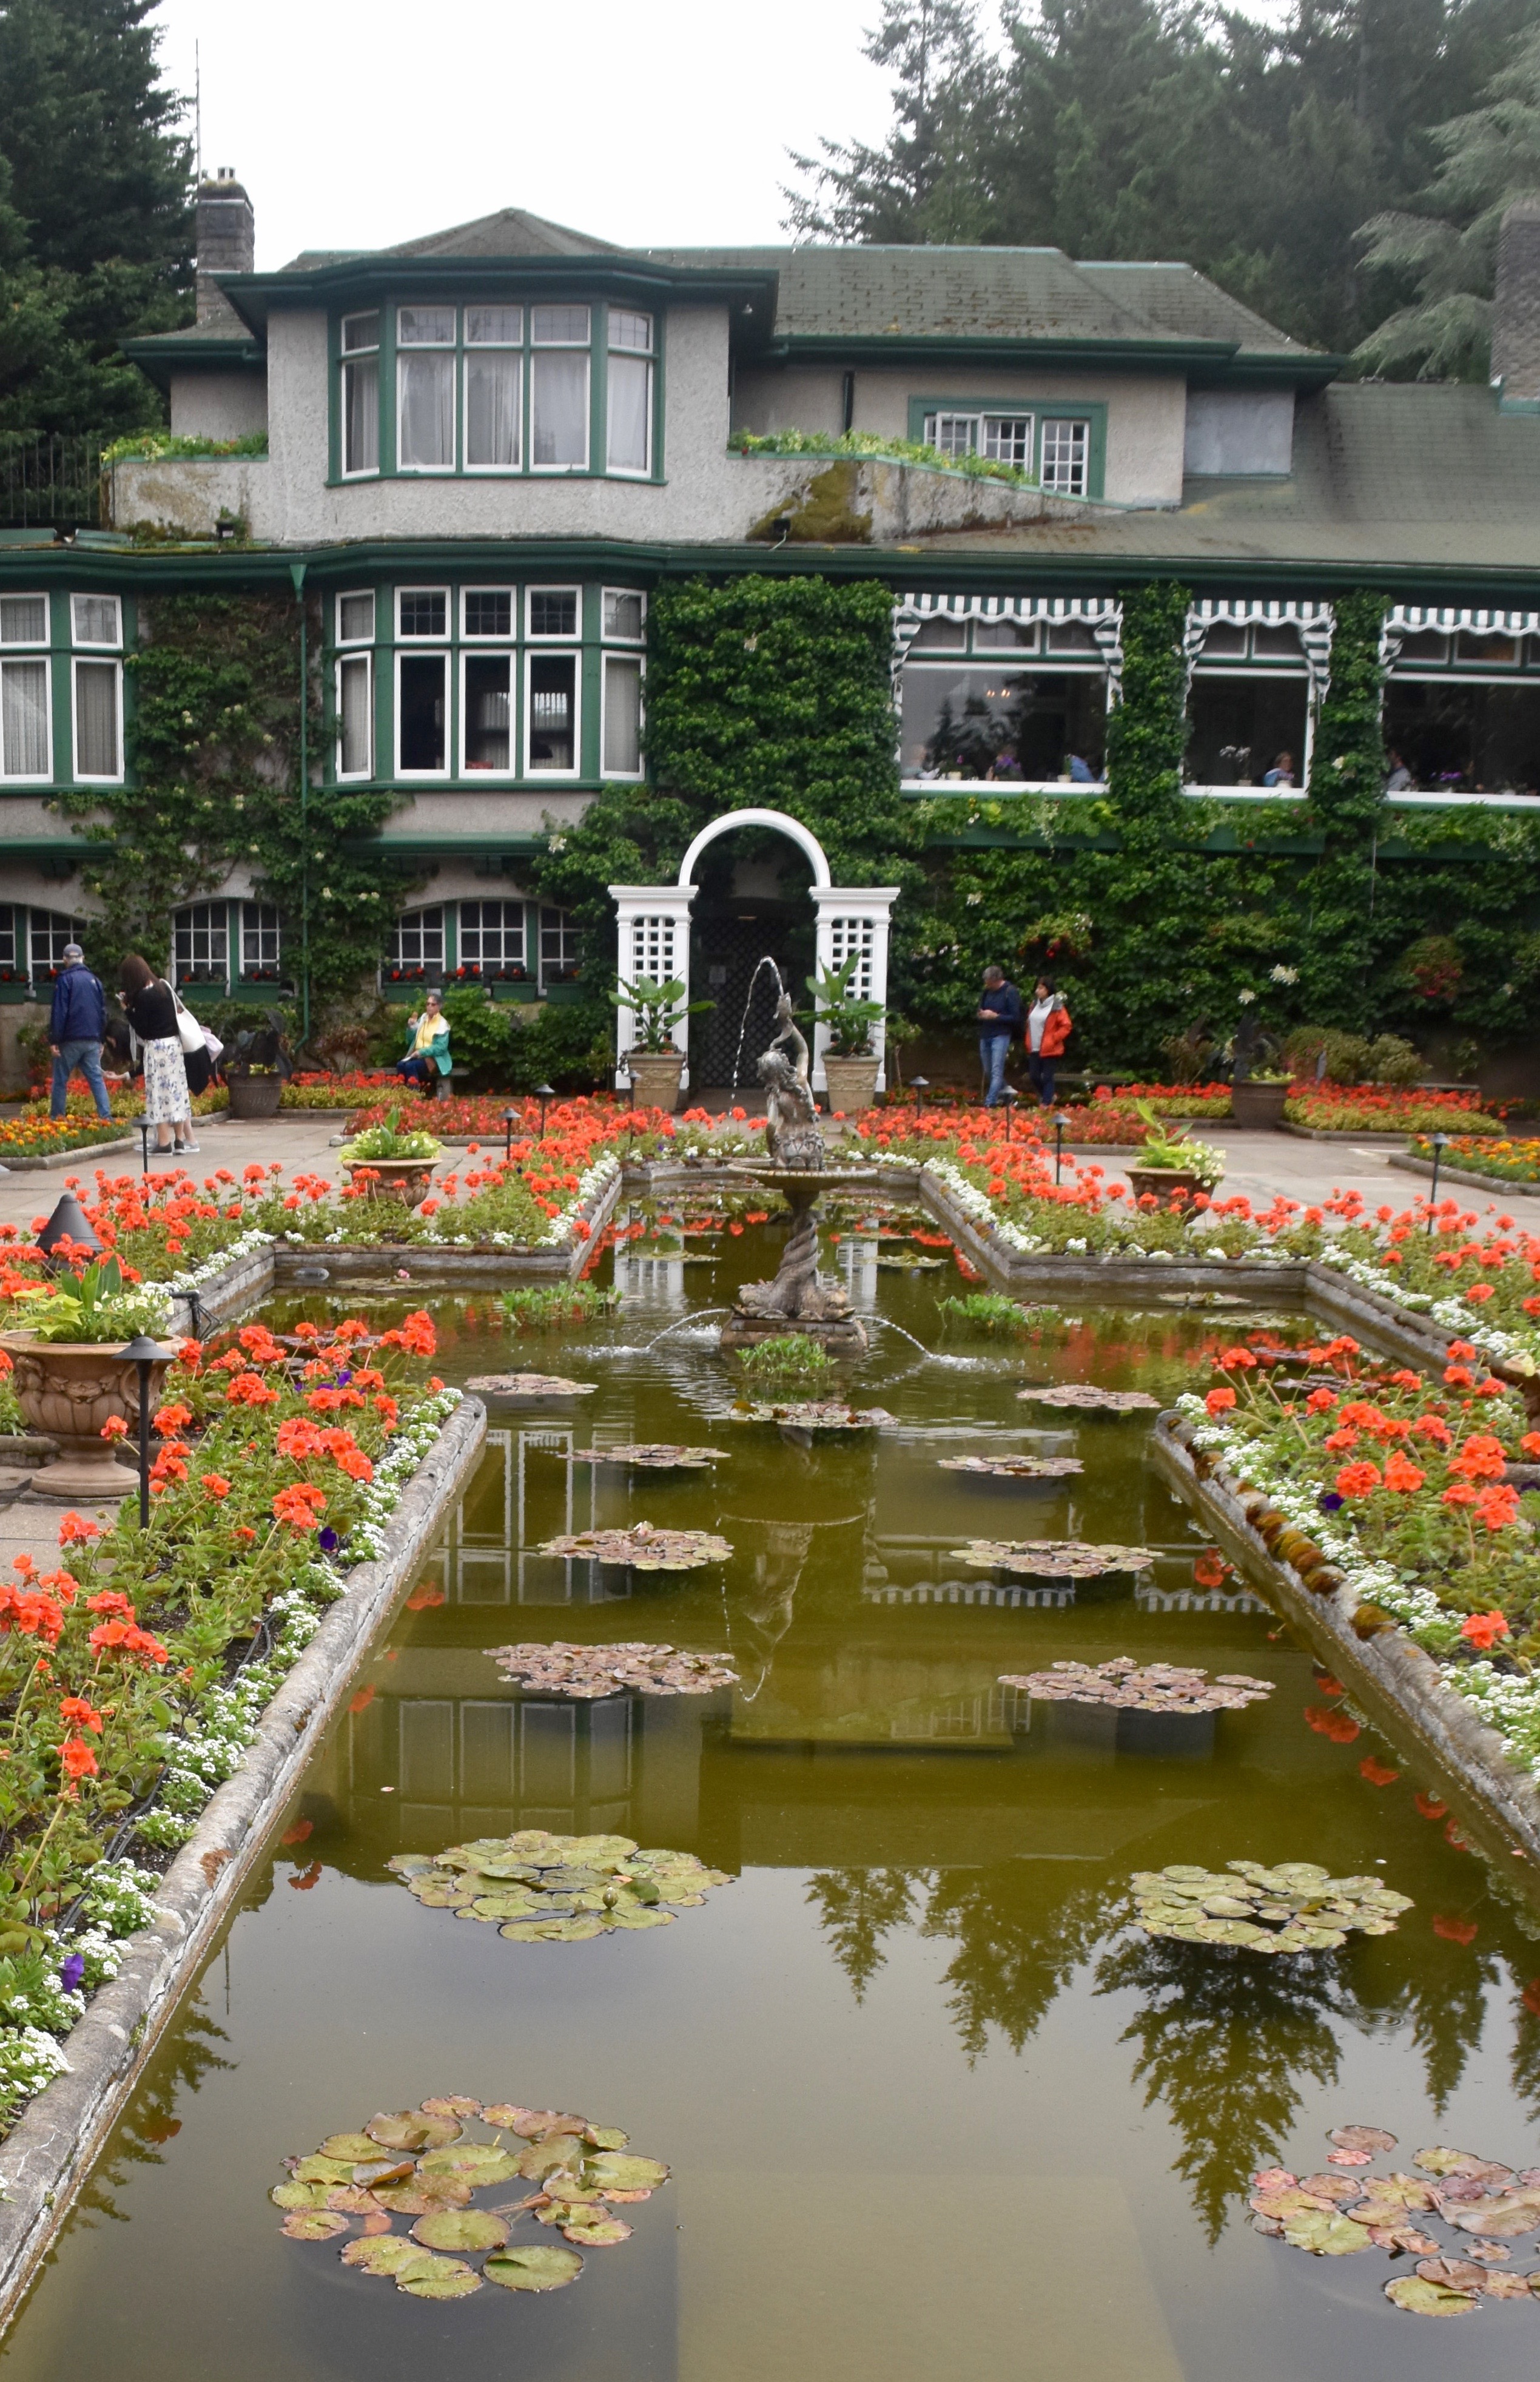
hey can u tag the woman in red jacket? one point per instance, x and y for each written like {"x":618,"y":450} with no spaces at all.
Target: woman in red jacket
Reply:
{"x":1048,"y":1024}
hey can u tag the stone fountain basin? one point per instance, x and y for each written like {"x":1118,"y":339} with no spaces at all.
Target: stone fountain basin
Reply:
{"x":788,"y":1178}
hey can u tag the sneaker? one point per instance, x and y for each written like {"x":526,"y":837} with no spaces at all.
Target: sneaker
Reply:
{"x":185,"y":1148}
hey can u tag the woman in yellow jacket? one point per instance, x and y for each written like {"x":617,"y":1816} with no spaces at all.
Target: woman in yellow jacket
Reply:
{"x":427,"y":1055}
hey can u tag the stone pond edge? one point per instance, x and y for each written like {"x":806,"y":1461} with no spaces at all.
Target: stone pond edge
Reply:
{"x":49,"y":2155}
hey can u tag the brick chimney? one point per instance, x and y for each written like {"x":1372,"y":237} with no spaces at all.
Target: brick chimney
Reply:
{"x":227,"y":237}
{"x":1516,"y":309}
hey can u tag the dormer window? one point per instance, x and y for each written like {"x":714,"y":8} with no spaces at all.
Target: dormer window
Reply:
{"x":1061,"y":448}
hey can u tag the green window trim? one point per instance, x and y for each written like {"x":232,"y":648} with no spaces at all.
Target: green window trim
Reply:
{"x":1066,"y":409}
{"x":598,"y":352}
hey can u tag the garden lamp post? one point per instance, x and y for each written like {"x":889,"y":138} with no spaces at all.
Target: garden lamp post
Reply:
{"x":510,"y":1118}
{"x":545,"y":1094}
{"x":919,"y":1087}
{"x":145,"y":1144}
{"x":1441,"y":1143}
{"x":1059,"y":1145}
{"x":1008,"y":1099}
{"x":144,"y":1353}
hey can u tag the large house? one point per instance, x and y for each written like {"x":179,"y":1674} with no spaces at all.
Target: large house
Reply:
{"x":481,"y":451}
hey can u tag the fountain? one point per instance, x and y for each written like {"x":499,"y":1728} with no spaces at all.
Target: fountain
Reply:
{"x":800,"y":1298}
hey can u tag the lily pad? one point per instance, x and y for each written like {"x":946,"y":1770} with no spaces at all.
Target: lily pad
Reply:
{"x":541,"y":2267}
{"x":298,"y":2195}
{"x":349,"y":2147}
{"x":1504,"y":2221}
{"x":1443,"y":2161}
{"x":653,"y":1455}
{"x":595,"y":2228}
{"x":313,"y":2225}
{"x":1086,"y":1396}
{"x":323,"y":2170}
{"x":456,"y":2105}
{"x":642,"y":1548}
{"x":1455,"y":2274}
{"x":1124,"y":1685}
{"x":1013,"y":1468}
{"x":585,"y":1673}
{"x":1362,"y":2138}
{"x":540,"y":1888}
{"x":1051,"y":1558}
{"x":460,"y":2229}
{"x":626,"y":2171}
{"x":421,"y":2198}
{"x":1420,"y":2298}
{"x":411,"y":2129}
{"x":1297,"y":1907}
{"x":1326,"y":2233}
{"x":815,"y":1414}
{"x":1506,"y":2287}
{"x":438,"y":2278}
{"x":382,"y":2253}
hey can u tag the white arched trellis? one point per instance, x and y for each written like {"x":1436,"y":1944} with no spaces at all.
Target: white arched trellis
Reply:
{"x":852,"y":924}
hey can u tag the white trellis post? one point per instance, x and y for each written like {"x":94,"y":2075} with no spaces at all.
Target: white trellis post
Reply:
{"x":653,"y":926}
{"x":854,"y":922}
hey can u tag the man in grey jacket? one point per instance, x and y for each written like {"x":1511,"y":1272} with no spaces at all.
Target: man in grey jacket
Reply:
{"x":77,"y":1026}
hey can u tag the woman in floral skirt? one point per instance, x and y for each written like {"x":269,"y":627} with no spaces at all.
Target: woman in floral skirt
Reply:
{"x":152,"y":1009}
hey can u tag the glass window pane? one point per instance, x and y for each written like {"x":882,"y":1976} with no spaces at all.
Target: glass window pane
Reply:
{"x":355,"y":620}
{"x":259,"y":938}
{"x":630,"y":330}
{"x":553,"y":612}
{"x":1066,"y":446}
{"x":417,"y":942}
{"x":201,"y":941}
{"x":560,"y":947}
{"x":96,"y":743}
{"x":489,"y":611}
{"x":623,"y":614}
{"x":360,"y":331}
{"x":1007,"y":438}
{"x":51,"y":930}
{"x":561,"y":429}
{"x":488,"y":711}
{"x":424,"y":612}
{"x":493,"y":384}
{"x":97,"y":619}
{"x":1010,"y":635}
{"x":492,"y":936}
{"x":1002,"y":721}
{"x":553,"y":711}
{"x":355,"y":746}
{"x":426,"y":326}
{"x":423,"y":713}
{"x":558,"y":325}
{"x":426,"y":440}
{"x":23,"y":719}
{"x":494,"y":326}
{"x":622,"y":716}
{"x":361,"y":416}
{"x":23,"y":620}
{"x":631,"y":390}
{"x":952,"y":433}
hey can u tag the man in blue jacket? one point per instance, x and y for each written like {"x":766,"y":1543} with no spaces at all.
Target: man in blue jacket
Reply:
{"x":77,"y":1028}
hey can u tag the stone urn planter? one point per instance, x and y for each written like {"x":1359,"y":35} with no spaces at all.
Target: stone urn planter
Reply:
{"x":655,"y":1078}
{"x":1258,"y":1104}
{"x":255,"y":1096}
{"x":852,"y":1083}
{"x":1166,"y":1182}
{"x":403,"y":1179}
{"x":68,"y":1390}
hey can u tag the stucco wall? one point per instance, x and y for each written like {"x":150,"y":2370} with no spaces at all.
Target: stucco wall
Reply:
{"x":190,"y":493}
{"x":218,"y":404}
{"x":1146,"y":414}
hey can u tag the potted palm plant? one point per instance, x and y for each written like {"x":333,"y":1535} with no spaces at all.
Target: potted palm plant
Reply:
{"x":257,"y":1065}
{"x":1172,"y":1165}
{"x":385,"y":1163}
{"x":71,"y":1380}
{"x":656,"y":1065}
{"x":849,"y":1061}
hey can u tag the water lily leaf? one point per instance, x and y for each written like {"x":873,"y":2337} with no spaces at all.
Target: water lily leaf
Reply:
{"x":1491,"y":2254}
{"x":442,"y":2278}
{"x":547,"y":2158}
{"x":617,"y":2196}
{"x":439,"y":1897}
{"x":541,"y":2267}
{"x":631,"y":1920}
{"x":348,"y":2146}
{"x":476,"y":2163}
{"x":1395,"y":2191}
{"x":605,"y":2138}
{"x":408,"y":1864}
{"x":1504,"y":2219}
{"x":591,"y":2227}
{"x":298,"y":2195}
{"x":1443,"y":2161}
{"x":383,"y":2255}
{"x":323,"y":2170}
{"x":348,"y":2200}
{"x":421,"y":2198}
{"x":1506,"y":2287}
{"x":625,"y":2171}
{"x":381,"y":2170}
{"x":1400,"y":2236}
{"x":605,"y":1849}
{"x":539,"y":2125}
{"x":457,"y":2105}
{"x":460,"y":2229}
{"x":1362,"y":2138}
{"x":1336,"y":2188}
{"x":1420,"y":2298}
{"x":410,"y":2129}
{"x":1326,"y":2233}
{"x":313,"y":2225}
{"x":1455,"y":2274}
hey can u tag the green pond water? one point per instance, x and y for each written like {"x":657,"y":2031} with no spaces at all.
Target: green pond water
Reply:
{"x":931,"y":2106}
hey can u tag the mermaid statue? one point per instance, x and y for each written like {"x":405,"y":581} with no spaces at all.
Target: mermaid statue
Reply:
{"x":792,"y":1135}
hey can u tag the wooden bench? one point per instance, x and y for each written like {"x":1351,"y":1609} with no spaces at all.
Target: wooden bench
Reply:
{"x":441,"y":1083}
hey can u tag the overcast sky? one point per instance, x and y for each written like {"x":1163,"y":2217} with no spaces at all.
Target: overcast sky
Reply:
{"x":358,"y":126}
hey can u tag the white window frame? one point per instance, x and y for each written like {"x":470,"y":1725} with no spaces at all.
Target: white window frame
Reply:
{"x":95,"y":660}
{"x":418,"y":651}
{"x":584,"y":348}
{"x":20,"y":645}
{"x":631,"y":659}
{"x":617,"y":636}
{"x":31,"y":657}
{"x":1074,"y":423}
{"x":396,"y":956}
{"x":485,"y":902}
{"x":416,"y":638}
{"x":552,"y":636}
{"x":544,"y":653}
{"x":353,"y":595}
{"x":990,"y":429}
{"x":189,"y":910}
{"x":358,"y":657}
{"x":565,"y":929}
{"x":112,"y":644}
{"x":932,"y":426}
{"x":405,"y":349}
{"x":488,"y":636}
{"x":488,"y":650}
{"x":648,"y":355}
{"x":348,"y":359}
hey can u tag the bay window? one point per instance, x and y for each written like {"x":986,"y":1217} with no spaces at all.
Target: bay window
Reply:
{"x":486,"y":709}
{"x":97,"y":699}
{"x":622,"y":719}
{"x":421,"y":683}
{"x":354,"y":687}
{"x":25,"y":738}
{"x":552,"y":715}
{"x":630,"y":391}
{"x":493,"y":386}
{"x":558,"y":395}
{"x":425,"y":389}
{"x":361,"y":393}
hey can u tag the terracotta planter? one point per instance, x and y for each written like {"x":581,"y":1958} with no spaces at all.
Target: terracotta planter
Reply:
{"x":1166,"y":1182}
{"x":852,"y":1083}
{"x":1258,"y":1104}
{"x":404,"y":1179}
{"x":655,"y":1078}
{"x":67,"y":1389}
{"x":255,"y":1096}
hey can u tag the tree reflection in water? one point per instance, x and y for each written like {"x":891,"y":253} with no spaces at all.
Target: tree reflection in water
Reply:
{"x":855,"y":1908}
{"x":149,"y":2120}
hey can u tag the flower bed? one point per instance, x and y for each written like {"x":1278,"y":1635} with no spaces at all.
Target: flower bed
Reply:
{"x":34,"y":1134}
{"x":1395,"y":1490}
{"x":1515,"y":1161}
{"x":133,"y":1675}
{"x":1379,"y":1108}
{"x":1111,"y":1115}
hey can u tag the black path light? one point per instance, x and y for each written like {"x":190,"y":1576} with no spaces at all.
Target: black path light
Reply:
{"x":1060,"y":1124}
{"x":145,"y":1144}
{"x":510,"y":1118}
{"x":1441,"y":1143}
{"x":545,"y":1094}
{"x":144,"y":1355}
{"x":918,"y":1086}
{"x":68,"y":1222}
{"x":1009,"y":1098}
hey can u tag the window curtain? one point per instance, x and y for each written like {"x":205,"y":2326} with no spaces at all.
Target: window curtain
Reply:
{"x":356,"y":756}
{"x":427,"y":412}
{"x":492,"y":390}
{"x":623,"y":716}
{"x":362,"y":411}
{"x":24,"y":719}
{"x":560,"y":391}
{"x":96,"y":753}
{"x":631,"y":379}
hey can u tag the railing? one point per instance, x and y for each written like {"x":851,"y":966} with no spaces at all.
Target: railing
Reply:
{"x":50,"y":480}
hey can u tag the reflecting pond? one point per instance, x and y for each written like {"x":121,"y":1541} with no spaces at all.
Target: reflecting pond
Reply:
{"x":930,"y":2103}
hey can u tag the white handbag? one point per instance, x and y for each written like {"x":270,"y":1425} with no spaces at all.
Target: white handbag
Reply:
{"x":189,"y":1034}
